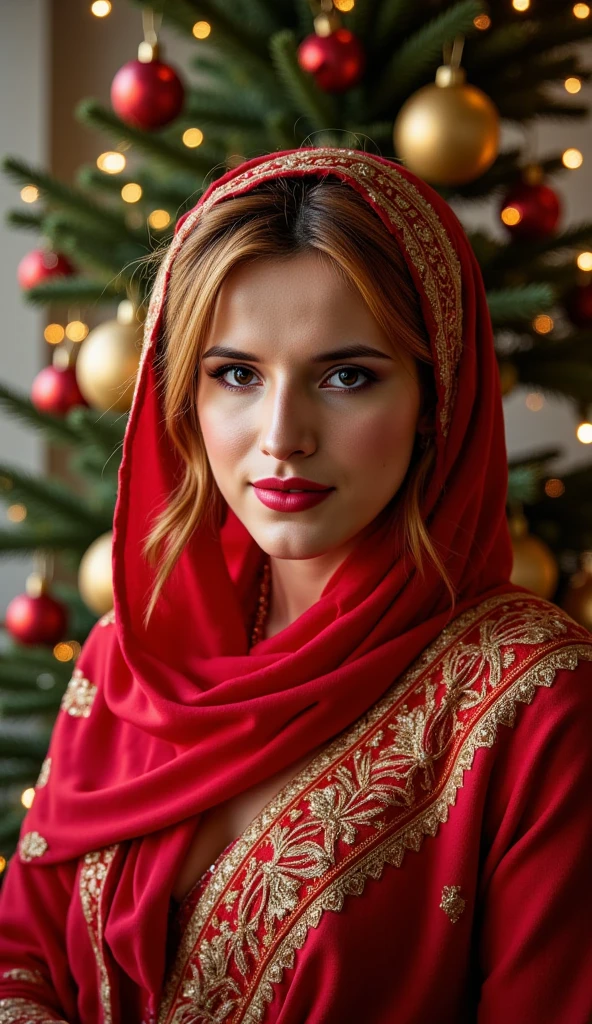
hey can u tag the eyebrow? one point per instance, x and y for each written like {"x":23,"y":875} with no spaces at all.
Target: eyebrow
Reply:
{"x":348,"y":352}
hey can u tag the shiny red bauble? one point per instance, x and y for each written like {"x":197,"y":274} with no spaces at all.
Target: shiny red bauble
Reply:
{"x":539,"y":208}
{"x":55,"y":390}
{"x":337,"y":61}
{"x":42,"y":265}
{"x":36,"y":620}
{"x":578,"y":305}
{"x":147,"y":95}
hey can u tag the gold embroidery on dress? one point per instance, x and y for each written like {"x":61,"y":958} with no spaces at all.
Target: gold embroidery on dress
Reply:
{"x":24,"y":1011}
{"x":44,"y":773}
{"x":32,"y":845}
{"x":420,"y":230}
{"x":280,"y":877}
{"x":93,"y":875}
{"x":79,"y":695}
{"x":108,"y":619}
{"x":23,"y":974}
{"x":452,"y":902}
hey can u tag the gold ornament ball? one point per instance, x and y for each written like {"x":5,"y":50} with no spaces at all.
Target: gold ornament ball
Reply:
{"x":534,"y":565}
{"x":95,"y":580}
{"x":108,"y":361}
{"x":577,"y":600}
{"x":448,"y":132}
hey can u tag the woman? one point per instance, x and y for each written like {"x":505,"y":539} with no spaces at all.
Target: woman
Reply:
{"x":324,"y":763}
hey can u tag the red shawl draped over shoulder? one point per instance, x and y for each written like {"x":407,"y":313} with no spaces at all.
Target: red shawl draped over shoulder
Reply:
{"x":159,"y":725}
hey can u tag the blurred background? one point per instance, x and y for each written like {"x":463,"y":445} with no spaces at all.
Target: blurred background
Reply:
{"x":116,"y":115}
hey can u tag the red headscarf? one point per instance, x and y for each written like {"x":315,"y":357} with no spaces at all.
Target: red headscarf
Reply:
{"x":184,"y":715}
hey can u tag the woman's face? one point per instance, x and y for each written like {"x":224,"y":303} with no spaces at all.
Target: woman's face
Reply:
{"x":299,"y":408}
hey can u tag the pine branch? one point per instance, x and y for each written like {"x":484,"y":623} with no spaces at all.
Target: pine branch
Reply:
{"x":15,"y":704}
{"x":46,"y":535}
{"x":55,"y":428}
{"x":305,"y":96}
{"x":10,"y":826}
{"x":97,"y":253}
{"x":557,"y":377}
{"x":25,"y":219}
{"x":30,"y":746}
{"x":512,"y":305}
{"x":44,"y":496}
{"x":74,"y":290}
{"x":419,"y":54}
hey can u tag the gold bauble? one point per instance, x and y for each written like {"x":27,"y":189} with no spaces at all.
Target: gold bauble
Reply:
{"x":448,"y":132}
{"x":534,"y":566}
{"x":108,"y":361}
{"x":95,"y":579}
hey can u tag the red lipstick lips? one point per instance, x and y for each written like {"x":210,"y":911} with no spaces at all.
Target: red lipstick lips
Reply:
{"x":274,"y":492}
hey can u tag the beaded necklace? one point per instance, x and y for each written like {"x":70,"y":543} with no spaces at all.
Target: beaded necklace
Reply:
{"x":262,"y":605}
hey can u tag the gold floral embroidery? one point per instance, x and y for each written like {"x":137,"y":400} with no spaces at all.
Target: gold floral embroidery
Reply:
{"x":419,"y":228}
{"x":282,"y":875}
{"x":44,"y":773}
{"x":32,"y":845}
{"x":93,"y":875}
{"x":452,"y":902}
{"x":23,"y":1011}
{"x":22,"y":974}
{"x":108,"y":619}
{"x":79,"y":696}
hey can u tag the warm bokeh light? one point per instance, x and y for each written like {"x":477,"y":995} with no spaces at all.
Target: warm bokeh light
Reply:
{"x":54,"y":333}
{"x":101,"y":8}
{"x":520,"y":5}
{"x":554,"y":488}
{"x":510,"y":215}
{"x":201,"y":29}
{"x":572,"y":85}
{"x":131,"y":192}
{"x":534,"y":401}
{"x":159,"y":219}
{"x":193,"y":137}
{"x":584,"y":261}
{"x":482,"y":21}
{"x":572,"y":158}
{"x":584,"y":433}
{"x":63,"y":652}
{"x":27,"y":797}
{"x":344,"y":5}
{"x":111,"y":162}
{"x":543,"y":323}
{"x":76,"y":330}
{"x":3,"y":863}
{"x":30,"y":194}
{"x":16,"y":513}
{"x":581,"y":10}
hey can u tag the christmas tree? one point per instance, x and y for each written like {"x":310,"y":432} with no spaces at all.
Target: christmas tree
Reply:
{"x":427,"y":84}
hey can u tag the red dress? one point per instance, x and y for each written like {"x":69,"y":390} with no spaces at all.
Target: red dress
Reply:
{"x":431,"y":864}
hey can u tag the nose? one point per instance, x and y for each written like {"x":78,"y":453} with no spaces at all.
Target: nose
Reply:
{"x":287,"y":423}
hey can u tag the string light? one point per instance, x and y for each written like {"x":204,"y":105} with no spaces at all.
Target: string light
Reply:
{"x":344,"y":5}
{"x":584,"y":433}
{"x":510,"y":215}
{"x":27,"y":797}
{"x":159,"y":219}
{"x":543,"y":323}
{"x":76,"y":330}
{"x":482,"y":21}
{"x":521,"y":5}
{"x":201,"y":29}
{"x":54,"y":333}
{"x":3,"y":863}
{"x":30,"y":194}
{"x":584,"y":261}
{"x":534,"y":401}
{"x":16,"y":513}
{"x":554,"y":488}
{"x":581,"y":10}
{"x":572,"y":85}
{"x":193,"y":137}
{"x":131,"y":192}
{"x":63,"y":652}
{"x":101,"y":8}
{"x":572,"y":158}
{"x":111,"y":162}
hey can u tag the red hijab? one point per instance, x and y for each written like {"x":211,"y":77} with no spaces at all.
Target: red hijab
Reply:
{"x":184,"y":715}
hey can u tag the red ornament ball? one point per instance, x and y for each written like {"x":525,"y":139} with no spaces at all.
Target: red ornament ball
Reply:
{"x":337,"y":61}
{"x":147,"y":96}
{"x":539,"y":208}
{"x":55,"y":390}
{"x":42,"y":265}
{"x":36,"y":620}
{"x":578,"y":305}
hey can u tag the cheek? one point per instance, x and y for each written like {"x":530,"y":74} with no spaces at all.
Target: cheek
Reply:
{"x":223,"y":434}
{"x":382,"y":439}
